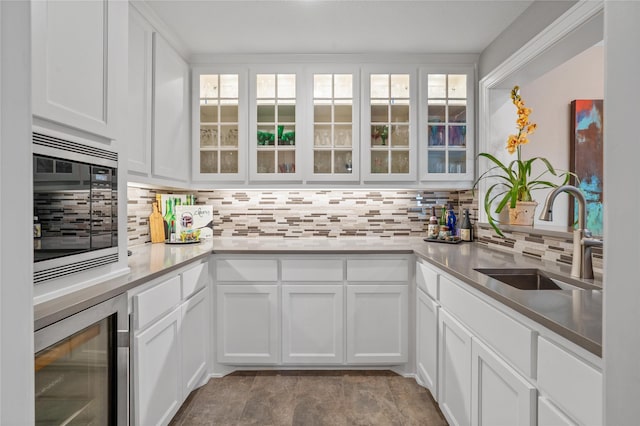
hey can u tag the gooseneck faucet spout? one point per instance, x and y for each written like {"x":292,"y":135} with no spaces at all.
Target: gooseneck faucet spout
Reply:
{"x":580,"y":266}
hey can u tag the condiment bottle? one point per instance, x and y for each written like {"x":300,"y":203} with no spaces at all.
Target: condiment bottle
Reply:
{"x":451,"y":220}
{"x":465,"y":229}
{"x":433,"y":228}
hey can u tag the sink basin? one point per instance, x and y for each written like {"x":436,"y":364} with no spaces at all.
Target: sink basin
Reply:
{"x":531,"y":279}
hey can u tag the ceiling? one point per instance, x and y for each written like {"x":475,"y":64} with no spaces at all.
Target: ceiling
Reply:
{"x":336,"y":26}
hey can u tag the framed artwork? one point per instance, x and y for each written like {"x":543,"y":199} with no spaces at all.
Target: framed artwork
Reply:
{"x":585,"y":159}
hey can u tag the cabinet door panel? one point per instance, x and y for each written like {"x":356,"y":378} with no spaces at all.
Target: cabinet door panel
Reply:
{"x":427,"y":280}
{"x":155,"y":301}
{"x":512,"y":339}
{"x":76,"y":56}
{"x":572,"y":384}
{"x":239,"y":270}
{"x":194,"y":279}
{"x":499,"y":395}
{"x":194,"y":337}
{"x":247,"y":324}
{"x":312,"y":324}
{"x":454,"y":374}
{"x":427,"y":342}
{"x":157,"y":384}
{"x":549,"y":415}
{"x":372,"y":270}
{"x":377,"y":324}
{"x":139,"y":100}
{"x":171,"y":147}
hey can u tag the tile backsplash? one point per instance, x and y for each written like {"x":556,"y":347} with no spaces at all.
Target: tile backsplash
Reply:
{"x":305,"y":213}
{"x":342,"y":213}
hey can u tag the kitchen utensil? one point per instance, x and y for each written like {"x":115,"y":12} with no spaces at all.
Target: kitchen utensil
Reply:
{"x":156,"y":225}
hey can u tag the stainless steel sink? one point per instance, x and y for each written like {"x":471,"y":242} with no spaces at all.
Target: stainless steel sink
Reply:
{"x":533,"y":279}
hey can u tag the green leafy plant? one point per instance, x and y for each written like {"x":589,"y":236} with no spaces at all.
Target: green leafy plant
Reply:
{"x":514,"y":180}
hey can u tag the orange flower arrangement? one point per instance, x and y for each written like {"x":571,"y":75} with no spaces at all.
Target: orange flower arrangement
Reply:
{"x":513,"y":179}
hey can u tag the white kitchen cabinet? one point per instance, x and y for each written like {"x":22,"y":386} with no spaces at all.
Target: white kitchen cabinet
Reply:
{"x":156,"y":361}
{"x":171,"y":147}
{"x":499,"y":395}
{"x":446,"y":125}
{"x":194,"y":338}
{"x":388,"y":123}
{"x":275,"y":123}
{"x":77,"y":63}
{"x":454,"y":370}
{"x":427,"y":342}
{"x":572,"y":384}
{"x":550,"y":415}
{"x":170,"y":343}
{"x":247,"y":324}
{"x":377,"y":324}
{"x":140,"y":90}
{"x":312,"y":324}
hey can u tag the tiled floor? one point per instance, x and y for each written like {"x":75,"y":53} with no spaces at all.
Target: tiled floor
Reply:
{"x":310,"y":398}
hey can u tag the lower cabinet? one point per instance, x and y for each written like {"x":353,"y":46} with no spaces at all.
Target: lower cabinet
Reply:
{"x":499,"y":395}
{"x":247,"y":323}
{"x":170,"y":344}
{"x":311,"y":310}
{"x":549,"y":415}
{"x":427,"y":341}
{"x":377,"y":324}
{"x":312,"y":324}
{"x":454,"y":370}
{"x":194,"y":340}
{"x":156,"y":362}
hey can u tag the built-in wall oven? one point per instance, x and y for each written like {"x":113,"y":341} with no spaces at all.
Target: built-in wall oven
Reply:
{"x":81,"y":367}
{"x":75,"y":201}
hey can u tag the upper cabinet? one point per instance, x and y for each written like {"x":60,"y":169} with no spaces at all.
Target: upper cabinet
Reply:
{"x":140,"y":89}
{"x":220,"y":117}
{"x":333,"y":117}
{"x":343,"y":124}
{"x":447,"y":124}
{"x":275,"y":125}
{"x":75,"y":63}
{"x":170,"y":141}
{"x":388,"y":126}
{"x":158,"y":131}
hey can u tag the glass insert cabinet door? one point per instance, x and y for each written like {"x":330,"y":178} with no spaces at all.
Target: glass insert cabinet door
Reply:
{"x":274,"y":139}
{"x":388,"y":135}
{"x":335,"y":137}
{"x":447,"y":122}
{"x":219,"y":133}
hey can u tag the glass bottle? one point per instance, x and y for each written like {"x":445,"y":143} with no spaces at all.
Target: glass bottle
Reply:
{"x":433,"y":228}
{"x":167,"y":218}
{"x":465,"y":228}
{"x":451,"y":220}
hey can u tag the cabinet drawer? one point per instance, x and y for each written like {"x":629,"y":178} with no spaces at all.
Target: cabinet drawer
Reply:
{"x":377,"y":270}
{"x":155,"y":301}
{"x":427,"y":280}
{"x":512,"y":340}
{"x":312,"y":270}
{"x":194,"y":279}
{"x":570,"y":383}
{"x":247,"y":270}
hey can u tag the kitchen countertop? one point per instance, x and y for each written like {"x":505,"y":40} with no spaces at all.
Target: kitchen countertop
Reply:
{"x":573,"y":314}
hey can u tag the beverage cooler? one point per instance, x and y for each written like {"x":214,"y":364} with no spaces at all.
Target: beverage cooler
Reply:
{"x":81,"y":367}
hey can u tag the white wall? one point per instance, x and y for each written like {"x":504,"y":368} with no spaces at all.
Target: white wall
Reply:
{"x":550,"y":96}
{"x":533,"y":20}
{"x":16,"y":217}
{"x":622,"y":194}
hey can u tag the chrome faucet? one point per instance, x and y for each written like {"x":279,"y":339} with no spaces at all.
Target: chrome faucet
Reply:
{"x":581,"y":266}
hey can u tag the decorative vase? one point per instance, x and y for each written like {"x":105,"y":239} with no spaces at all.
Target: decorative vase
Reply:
{"x":523,"y":213}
